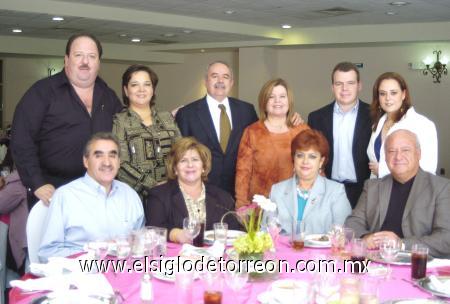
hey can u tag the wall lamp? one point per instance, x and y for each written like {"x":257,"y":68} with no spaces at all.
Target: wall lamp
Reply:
{"x":437,"y":68}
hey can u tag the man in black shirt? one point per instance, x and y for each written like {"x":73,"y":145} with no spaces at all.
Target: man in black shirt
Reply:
{"x":409,"y":204}
{"x":56,"y":117}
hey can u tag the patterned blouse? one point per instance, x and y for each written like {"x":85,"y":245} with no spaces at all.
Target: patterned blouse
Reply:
{"x":196,"y":208}
{"x":143,"y":150}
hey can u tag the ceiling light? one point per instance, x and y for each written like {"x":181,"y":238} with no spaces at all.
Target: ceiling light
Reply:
{"x":57,"y":18}
{"x":16,"y":30}
{"x":135,"y":40}
{"x":229,"y":12}
{"x":187,"y":31}
{"x":202,"y":50}
{"x":123,"y":35}
{"x":399,"y":3}
{"x":286,"y":26}
{"x":391,"y":13}
{"x":168,"y":35}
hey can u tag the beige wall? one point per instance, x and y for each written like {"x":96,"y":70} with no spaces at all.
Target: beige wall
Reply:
{"x":306,"y":69}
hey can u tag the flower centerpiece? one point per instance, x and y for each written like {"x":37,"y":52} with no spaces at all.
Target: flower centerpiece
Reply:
{"x":255,"y":241}
{"x":253,"y":244}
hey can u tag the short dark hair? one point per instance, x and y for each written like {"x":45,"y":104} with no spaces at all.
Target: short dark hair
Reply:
{"x":311,"y":139}
{"x":345,"y":66}
{"x":129,"y":73}
{"x":100,"y":136}
{"x":88,"y":35}
{"x":179,"y":148}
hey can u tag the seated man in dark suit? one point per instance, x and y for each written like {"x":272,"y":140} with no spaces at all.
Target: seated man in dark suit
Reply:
{"x":217,"y":121}
{"x":409,"y":204}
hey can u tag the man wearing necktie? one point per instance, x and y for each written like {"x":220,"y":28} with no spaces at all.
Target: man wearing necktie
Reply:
{"x":217,"y":121}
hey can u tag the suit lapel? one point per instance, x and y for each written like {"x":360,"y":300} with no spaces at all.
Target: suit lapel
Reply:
{"x":236,"y":122}
{"x":204,"y":116}
{"x":290,"y":198}
{"x":418,"y":187}
{"x":179,"y":203}
{"x":317,"y":192}
{"x":384,"y":196}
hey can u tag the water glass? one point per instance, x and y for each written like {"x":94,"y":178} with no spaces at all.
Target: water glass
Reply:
{"x":191,"y":227}
{"x":389,"y":249}
{"x":419,"y":258}
{"x":337,"y":239}
{"x":220,"y":233}
{"x":349,"y":235}
{"x":183,"y":283}
{"x":369,"y":291}
{"x":123,"y":246}
{"x":160,"y":242}
{"x":298,"y":235}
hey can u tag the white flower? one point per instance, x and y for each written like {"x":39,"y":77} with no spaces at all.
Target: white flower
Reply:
{"x":265,"y":203}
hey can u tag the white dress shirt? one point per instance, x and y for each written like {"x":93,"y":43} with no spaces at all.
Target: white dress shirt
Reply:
{"x":343,"y":168}
{"x":82,"y":211}
{"x":214,"y":110}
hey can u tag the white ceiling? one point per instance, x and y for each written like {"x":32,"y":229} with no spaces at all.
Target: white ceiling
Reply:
{"x":253,"y":23}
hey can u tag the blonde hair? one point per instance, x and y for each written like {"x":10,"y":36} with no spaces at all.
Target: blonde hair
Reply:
{"x":264,"y":96}
{"x":179,"y":148}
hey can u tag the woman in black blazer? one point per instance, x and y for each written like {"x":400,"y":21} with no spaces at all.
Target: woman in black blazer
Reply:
{"x":187,"y":194}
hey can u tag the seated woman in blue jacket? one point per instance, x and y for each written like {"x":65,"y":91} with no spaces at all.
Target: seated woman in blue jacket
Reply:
{"x":307,"y":195}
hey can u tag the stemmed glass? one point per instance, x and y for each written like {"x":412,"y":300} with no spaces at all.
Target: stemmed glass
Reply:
{"x":236,"y":279}
{"x":389,"y":249}
{"x":191,"y":228}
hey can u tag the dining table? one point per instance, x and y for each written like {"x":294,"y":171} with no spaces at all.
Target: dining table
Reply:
{"x":398,"y":285}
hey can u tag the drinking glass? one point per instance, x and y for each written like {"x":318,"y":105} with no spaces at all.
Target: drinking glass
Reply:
{"x":213,"y":287}
{"x":183,"y":283}
{"x":160,"y":242}
{"x":358,"y":254}
{"x":298,"y":235}
{"x":236,"y":278}
{"x":220,"y":233}
{"x":337,"y":239}
{"x":349,"y":234}
{"x":191,"y":227}
{"x":369,"y":291}
{"x":389,"y":249}
{"x":419,"y":258}
{"x":123,"y":246}
{"x":273,"y":227}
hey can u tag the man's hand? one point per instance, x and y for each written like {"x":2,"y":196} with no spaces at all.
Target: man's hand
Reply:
{"x":297,"y":119}
{"x":45,"y":193}
{"x":373,"y":166}
{"x":374,"y":240}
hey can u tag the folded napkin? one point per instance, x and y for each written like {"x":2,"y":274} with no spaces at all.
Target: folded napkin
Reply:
{"x":216,"y":250}
{"x":438,"y":285}
{"x":86,"y":284}
{"x":438,"y":263}
{"x":52,"y":283}
{"x":58,"y":265}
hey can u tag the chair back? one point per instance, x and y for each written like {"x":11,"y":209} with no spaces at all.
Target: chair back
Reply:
{"x":35,"y":225}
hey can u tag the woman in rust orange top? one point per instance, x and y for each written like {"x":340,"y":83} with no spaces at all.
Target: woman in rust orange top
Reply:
{"x":264,"y":156}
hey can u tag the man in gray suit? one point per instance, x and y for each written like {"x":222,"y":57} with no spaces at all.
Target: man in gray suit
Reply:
{"x":409,"y":204}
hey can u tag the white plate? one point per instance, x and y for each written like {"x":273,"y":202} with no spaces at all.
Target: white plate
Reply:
{"x":425,"y":283}
{"x":403,"y":259}
{"x":232,"y":235}
{"x":312,"y":240}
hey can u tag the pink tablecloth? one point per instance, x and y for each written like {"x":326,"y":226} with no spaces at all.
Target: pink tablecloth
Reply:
{"x":128,"y":284}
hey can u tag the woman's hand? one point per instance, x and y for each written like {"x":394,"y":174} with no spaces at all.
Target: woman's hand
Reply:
{"x":373,"y":166}
{"x":297,"y":119}
{"x":177,"y":235}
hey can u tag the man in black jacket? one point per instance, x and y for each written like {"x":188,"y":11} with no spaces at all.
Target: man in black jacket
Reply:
{"x":57,"y":115}
{"x":202,"y":119}
{"x":346,"y":124}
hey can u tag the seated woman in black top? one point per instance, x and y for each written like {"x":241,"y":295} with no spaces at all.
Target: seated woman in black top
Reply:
{"x":186,"y":194}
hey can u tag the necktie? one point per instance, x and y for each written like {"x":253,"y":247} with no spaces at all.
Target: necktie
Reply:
{"x":225,"y":128}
